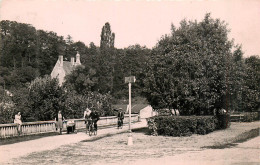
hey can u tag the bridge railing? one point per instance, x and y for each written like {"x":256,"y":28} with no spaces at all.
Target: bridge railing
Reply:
{"x":29,"y":128}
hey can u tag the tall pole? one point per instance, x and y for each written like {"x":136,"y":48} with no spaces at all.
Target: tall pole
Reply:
{"x":130,"y":107}
{"x":130,"y":80}
{"x":130,"y":138}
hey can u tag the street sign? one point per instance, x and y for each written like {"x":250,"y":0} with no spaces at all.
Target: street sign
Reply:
{"x":130,"y":79}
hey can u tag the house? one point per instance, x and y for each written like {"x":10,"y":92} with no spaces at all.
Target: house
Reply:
{"x":63,"y":68}
{"x":144,"y":110}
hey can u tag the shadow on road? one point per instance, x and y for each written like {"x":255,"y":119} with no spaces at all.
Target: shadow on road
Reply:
{"x":239,"y":139}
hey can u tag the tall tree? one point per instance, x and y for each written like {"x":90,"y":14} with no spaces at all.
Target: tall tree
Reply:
{"x":106,"y":59}
{"x":107,"y":37}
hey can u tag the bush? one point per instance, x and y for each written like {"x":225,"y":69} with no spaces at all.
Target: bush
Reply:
{"x":181,"y":125}
{"x":164,"y":112}
{"x":250,"y":116}
{"x":6,"y":113}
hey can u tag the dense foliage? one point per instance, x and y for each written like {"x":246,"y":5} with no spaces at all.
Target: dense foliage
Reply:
{"x":194,"y":70}
{"x":182,"y":125}
{"x":43,"y":98}
{"x":251,"y":89}
{"x":28,"y":54}
{"x":245,"y":116}
{"x":250,"y":116}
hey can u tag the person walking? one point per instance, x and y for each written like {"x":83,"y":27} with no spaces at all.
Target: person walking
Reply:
{"x":120,"y":117}
{"x":18,"y":121}
{"x":59,"y":121}
{"x":87,"y":118}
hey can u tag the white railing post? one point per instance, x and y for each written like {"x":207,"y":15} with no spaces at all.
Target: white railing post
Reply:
{"x":29,"y":128}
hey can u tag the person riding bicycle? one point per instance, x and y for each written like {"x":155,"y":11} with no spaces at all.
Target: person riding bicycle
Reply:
{"x":120,"y":117}
{"x":94,"y":117}
{"x":87,"y":118}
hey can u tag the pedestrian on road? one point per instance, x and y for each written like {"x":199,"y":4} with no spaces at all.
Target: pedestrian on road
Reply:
{"x":120,"y":117}
{"x":87,"y":118}
{"x":87,"y":113}
{"x":59,"y":121}
{"x":95,"y":117}
{"x":18,"y":121}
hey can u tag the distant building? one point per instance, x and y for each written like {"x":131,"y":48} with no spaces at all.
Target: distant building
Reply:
{"x":63,"y":68}
{"x":144,"y":110}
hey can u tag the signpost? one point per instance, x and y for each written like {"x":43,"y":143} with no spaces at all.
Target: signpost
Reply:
{"x":130,"y":80}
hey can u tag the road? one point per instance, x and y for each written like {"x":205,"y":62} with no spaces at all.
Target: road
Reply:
{"x":16,"y":150}
{"x":247,"y":153}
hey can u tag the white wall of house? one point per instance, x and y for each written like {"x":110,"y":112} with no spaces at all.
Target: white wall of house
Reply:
{"x":147,"y":112}
{"x":59,"y":73}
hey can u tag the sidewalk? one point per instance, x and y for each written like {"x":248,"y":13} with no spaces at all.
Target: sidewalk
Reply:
{"x":8,"y":152}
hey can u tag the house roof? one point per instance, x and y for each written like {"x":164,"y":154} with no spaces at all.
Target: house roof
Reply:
{"x":68,"y":68}
{"x":135,"y":107}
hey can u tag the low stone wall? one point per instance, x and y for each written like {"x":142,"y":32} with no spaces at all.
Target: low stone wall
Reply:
{"x":29,"y":128}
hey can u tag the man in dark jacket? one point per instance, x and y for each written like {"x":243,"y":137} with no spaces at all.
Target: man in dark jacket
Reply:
{"x":95,"y":117}
{"x":120,"y":117}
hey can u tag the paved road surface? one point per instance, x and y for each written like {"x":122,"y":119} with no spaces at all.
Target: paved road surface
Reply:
{"x":8,"y":152}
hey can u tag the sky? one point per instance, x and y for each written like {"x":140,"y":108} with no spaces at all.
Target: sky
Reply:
{"x":135,"y":22}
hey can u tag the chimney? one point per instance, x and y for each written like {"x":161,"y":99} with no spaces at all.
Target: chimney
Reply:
{"x":78,"y":59}
{"x":72,"y":61}
{"x":61,"y":61}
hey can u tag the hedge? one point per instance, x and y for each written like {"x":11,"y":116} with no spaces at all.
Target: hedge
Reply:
{"x":245,"y":116}
{"x":186,"y":125}
{"x":250,"y":116}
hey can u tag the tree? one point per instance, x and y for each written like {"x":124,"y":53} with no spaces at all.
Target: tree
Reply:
{"x":7,"y":108}
{"x":83,"y":80}
{"x":238,"y":77}
{"x":105,"y":60}
{"x":190,"y":69}
{"x":130,"y":61}
{"x":251,"y":92}
{"x":50,"y":46}
{"x":107,"y":37}
{"x":46,"y":98}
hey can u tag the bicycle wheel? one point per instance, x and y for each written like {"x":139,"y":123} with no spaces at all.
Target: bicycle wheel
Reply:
{"x":121,"y":124}
{"x":90,"y":131}
{"x":86,"y":128}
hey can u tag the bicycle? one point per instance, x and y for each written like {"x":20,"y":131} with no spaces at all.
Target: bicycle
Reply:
{"x":120,"y":123}
{"x":88,"y":122}
{"x":91,"y":129}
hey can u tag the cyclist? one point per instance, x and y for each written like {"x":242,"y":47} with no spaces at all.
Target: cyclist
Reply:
{"x":87,"y":118}
{"x":94,"y":117}
{"x":120,"y":117}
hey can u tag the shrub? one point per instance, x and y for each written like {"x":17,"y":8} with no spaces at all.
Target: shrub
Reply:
{"x":181,"y":125}
{"x":6,"y":113}
{"x":164,"y":112}
{"x":250,"y":116}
